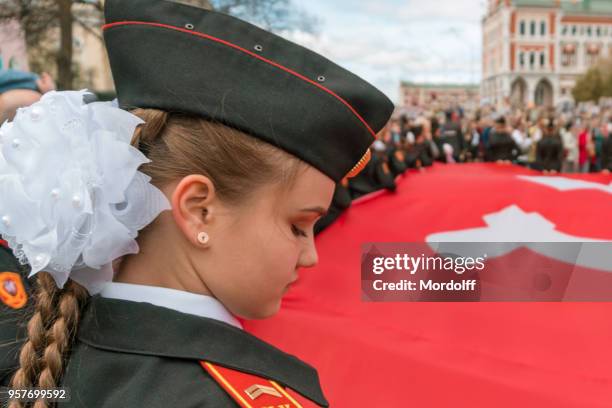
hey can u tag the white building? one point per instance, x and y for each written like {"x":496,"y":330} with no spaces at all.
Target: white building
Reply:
{"x":438,"y":96}
{"x":534,"y":50}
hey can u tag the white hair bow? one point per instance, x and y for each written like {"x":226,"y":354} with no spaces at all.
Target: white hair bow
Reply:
{"x":71,"y":197}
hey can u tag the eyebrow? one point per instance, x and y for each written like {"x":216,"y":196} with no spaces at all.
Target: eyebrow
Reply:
{"x":320,"y":210}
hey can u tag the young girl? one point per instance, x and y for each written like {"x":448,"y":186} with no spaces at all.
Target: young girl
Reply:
{"x":239,"y":138}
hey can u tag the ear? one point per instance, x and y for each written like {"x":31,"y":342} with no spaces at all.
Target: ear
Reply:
{"x":192,"y":205}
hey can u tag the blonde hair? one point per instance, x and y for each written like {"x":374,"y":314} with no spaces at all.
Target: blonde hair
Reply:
{"x":238,"y":164}
{"x":178,"y":145}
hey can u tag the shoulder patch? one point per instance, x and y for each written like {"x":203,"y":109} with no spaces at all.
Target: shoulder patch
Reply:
{"x":12,"y":290}
{"x":251,"y":391}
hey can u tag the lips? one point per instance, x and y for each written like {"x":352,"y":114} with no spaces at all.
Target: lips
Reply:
{"x":290,"y":284}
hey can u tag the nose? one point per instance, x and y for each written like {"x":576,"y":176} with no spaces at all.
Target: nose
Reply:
{"x":309,"y":256}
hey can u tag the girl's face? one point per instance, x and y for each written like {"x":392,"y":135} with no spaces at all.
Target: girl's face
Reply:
{"x":254,"y":252}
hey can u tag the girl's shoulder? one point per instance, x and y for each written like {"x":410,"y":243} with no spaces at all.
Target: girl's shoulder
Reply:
{"x":138,"y":354}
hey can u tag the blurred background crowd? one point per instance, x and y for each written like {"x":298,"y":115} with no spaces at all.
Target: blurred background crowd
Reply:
{"x":576,"y":140}
{"x":542,"y":139}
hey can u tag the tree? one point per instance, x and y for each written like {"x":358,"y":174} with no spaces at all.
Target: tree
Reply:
{"x":48,"y":25}
{"x":273,"y":15}
{"x":64,"y":55}
{"x":34,"y":18}
{"x":595,"y":83}
{"x":589,"y":86}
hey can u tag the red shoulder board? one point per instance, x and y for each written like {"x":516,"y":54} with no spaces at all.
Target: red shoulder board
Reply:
{"x":251,"y":391}
{"x":3,"y":243}
{"x":12,"y":291}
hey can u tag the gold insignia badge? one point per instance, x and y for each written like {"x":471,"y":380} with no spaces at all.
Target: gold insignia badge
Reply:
{"x":257,"y":390}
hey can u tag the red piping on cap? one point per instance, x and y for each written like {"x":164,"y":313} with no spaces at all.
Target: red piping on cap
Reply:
{"x":252,"y":54}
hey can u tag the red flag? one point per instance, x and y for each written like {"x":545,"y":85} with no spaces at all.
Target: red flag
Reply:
{"x":451,"y":354}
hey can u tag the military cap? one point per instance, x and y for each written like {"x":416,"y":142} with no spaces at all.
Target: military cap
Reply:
{"x":181,"y":58}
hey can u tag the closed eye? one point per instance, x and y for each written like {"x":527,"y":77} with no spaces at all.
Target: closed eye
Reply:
{"x":298,"y":232}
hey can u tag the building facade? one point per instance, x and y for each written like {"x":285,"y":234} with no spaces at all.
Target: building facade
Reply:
{"x":89,"y":54}
{"x":12,"y":47}
{"x":534,"y":50}
{"x":438,"y":96}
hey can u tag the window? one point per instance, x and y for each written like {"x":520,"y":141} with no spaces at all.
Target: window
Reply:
{"x":531,"y":59}
{"x":568,"y":57}
{"x":532,"y":28}
{"x":598,"y":31}
{"x":565,"y":60}
{"x":564,"y":30}
{"x":589,"y":31}
{"x":521,"y":59}
{"x":522,"y":28}
{"x":574,"y":30}
{"x":542,"y":59}
{"x":543,"y":28}
{"x":592,"y":55}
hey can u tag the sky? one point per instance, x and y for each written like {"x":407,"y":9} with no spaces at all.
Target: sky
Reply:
{"x":387,"y":41}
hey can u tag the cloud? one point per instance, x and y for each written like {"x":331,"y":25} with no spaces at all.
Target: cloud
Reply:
{"x":419,"y":10}
{"x":388,"y":41}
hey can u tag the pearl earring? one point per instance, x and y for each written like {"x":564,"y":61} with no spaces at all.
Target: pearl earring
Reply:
{"x":203,"y":237}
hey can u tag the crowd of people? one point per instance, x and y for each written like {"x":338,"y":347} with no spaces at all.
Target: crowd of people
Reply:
{"x":548,"y":141}
{"x":544,"y":140}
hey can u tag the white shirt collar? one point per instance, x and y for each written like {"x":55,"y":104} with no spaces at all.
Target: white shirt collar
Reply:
{"x":180,"y":300}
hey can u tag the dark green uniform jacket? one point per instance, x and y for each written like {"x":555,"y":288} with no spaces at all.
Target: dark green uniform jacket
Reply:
{"x":135,"y":354}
